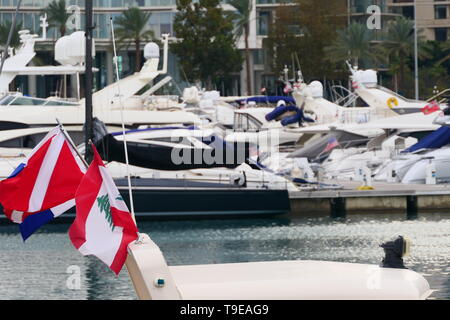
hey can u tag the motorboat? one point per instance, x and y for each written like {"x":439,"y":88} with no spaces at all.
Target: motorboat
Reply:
{"x":251,"y":126}
{"x":152,"y":278}
{"x":18,"y":111}
{"x":323,"y":111}
{"x":200,"y":190}
{"x":347,"y":163}
{"x":365,"y":86}
{"x":364,"y":142}
{"x":426,"y":158}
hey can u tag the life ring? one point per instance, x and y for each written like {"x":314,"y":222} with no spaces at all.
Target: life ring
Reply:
{"x":392,"y":100}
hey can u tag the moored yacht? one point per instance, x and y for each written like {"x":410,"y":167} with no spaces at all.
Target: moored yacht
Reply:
{"x":18,"y":111}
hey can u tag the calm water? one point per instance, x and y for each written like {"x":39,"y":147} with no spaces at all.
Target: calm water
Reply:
{"x":38,"y":268}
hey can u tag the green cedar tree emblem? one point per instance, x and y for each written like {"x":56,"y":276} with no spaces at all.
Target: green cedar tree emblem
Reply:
{"x":105,"y":207}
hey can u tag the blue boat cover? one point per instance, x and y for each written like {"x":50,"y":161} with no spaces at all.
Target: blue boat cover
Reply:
{"x":278,"y":111}
{"x":434,"y":140}
{"x":268,"y":99}
{"x":299,"y":116}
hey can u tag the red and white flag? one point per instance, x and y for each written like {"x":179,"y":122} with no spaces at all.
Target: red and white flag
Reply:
{"x":43,"y":186}
{"x":103,"y":226}
{"x":431,"y":107}
{"x":287,"y":88}
{"x":332,"y":143}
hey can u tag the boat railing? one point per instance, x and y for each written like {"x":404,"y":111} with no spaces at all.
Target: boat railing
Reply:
{"x":345,"y":97}
{"x":356,"y":116}
{"x":439,"y":94}
{"x":224,"y":182}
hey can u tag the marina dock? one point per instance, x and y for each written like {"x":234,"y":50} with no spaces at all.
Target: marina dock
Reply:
{"x":386,"y":197}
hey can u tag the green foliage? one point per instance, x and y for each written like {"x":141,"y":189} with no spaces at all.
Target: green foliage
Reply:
{"x":57,"y":15}
{"x":434,"y":69}
{"x":241,"y":19}
{"x":445,"y":47}
{"x":132,"y":27}
{"x":305,"y":28}
{"x":4,"y":33}
{"x":206,"y":47}
{"x":241,"y":16}
{"x":352,"y":43}
{"x":398,"y":49}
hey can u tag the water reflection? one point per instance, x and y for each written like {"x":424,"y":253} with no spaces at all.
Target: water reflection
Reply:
{"x":38,"y":268}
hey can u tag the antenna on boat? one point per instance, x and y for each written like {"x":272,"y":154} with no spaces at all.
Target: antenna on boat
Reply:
{"x":88,"y":80}
{"x":8,"y":42}
{"x":116,"y":64}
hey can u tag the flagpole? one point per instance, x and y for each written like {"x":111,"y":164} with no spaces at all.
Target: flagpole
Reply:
{"x":416,"y":58}
{"x":69,"y":139}
{"x":88,"y":81}
{"x":130,"y":191}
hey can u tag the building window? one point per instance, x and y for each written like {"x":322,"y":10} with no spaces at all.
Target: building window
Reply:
{"x":440,"y":34}
{"x":440,"y":12}
{"x":263,"y":23}
{"x":408,"y":12}
{"x":259,"y":56}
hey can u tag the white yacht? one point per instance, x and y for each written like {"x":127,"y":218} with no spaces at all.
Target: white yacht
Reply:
{"x":365,"y":85}
{"x":17,"y":111}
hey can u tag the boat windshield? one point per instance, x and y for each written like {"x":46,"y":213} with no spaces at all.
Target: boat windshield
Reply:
{"x":245,"y":122}
{"x":16,"y":100}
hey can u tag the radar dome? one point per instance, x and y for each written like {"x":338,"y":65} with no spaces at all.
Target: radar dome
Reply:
{"x":316,"y":89}
{"x":151,"y":51}
{"x":191,"y":95}
{"x":369,"y":78}
{"x":61,"y":51}
{"x":71,"y":50}
{"x":76,"y":48}
{"x":366,"y":77}
{"x":211,"y":95}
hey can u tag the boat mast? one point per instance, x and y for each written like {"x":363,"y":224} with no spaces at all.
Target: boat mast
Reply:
{"x":88,"y":83}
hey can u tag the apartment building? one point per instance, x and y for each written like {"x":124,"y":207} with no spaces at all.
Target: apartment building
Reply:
{"x":161,"y":21}
{"x":433,"y":16}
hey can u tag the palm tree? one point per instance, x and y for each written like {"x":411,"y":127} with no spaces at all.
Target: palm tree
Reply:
{"x":352,"y":43}
{"x":4,"y":33}
{"x":398,"y":47}
{"x":57,"y":15}
{"x":446,"y":48}
{"x":133,"y":26}
{"x":242,"y":19}
{"x":15,"y":42}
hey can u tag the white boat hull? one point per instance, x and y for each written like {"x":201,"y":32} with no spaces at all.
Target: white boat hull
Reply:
{"x":287,"y":280}
{"x":298,"y":280}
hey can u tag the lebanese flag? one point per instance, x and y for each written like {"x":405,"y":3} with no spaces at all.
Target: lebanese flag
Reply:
{"x":431,"y":107}
{"x":103,"y":226}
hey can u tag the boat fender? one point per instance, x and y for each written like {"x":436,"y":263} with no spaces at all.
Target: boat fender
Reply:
{"x":279,"y":111}
{"x":391,"y":102}
{"x":394,"y":252}
{"x":238,"y":179}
